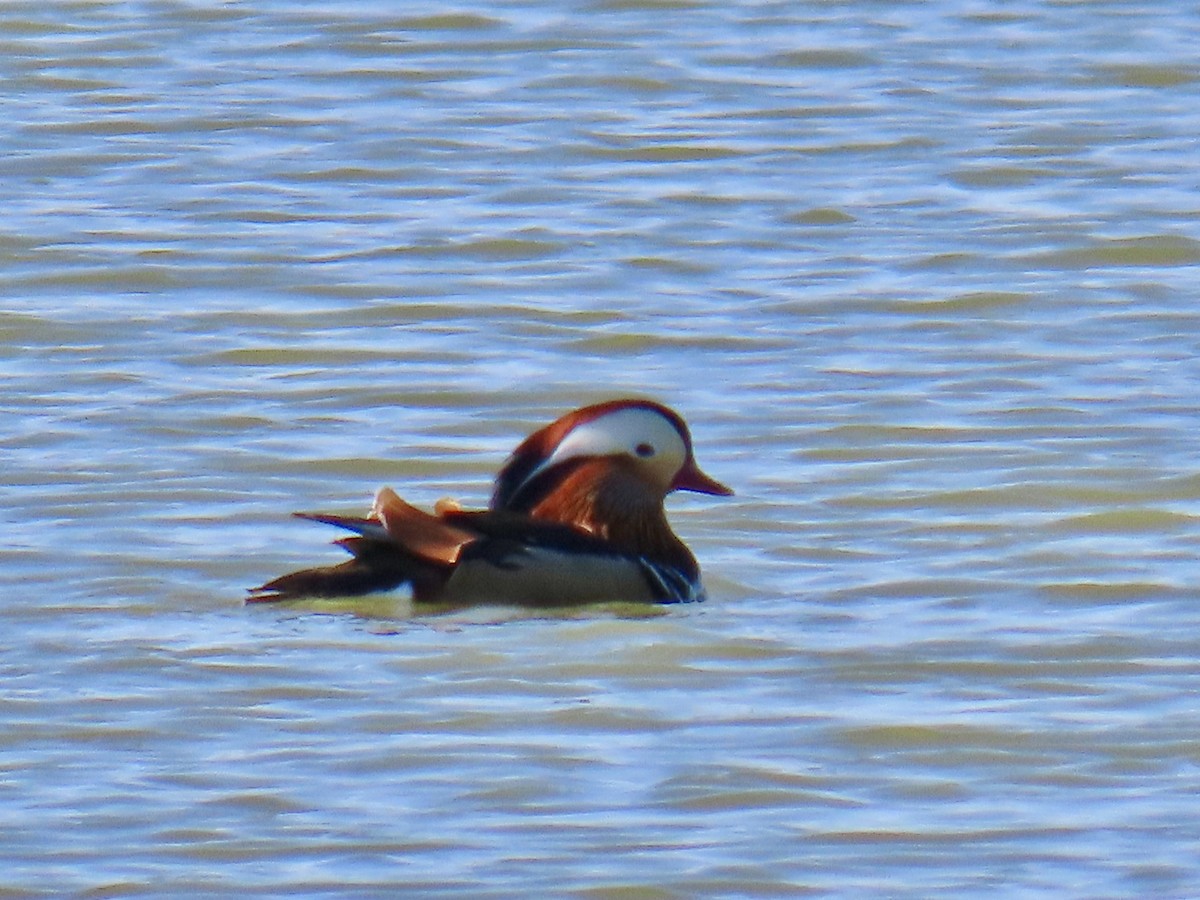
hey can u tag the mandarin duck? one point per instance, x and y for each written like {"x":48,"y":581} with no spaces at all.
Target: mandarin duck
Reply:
{"x":576,"y":516}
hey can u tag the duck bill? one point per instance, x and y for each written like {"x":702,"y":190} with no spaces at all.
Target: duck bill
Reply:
{"x":690,"y":478}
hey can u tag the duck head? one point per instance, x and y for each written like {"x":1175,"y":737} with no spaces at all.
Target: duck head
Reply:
{"x":644,"y":438}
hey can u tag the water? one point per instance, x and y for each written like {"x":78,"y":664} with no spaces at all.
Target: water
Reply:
{"x":922,"y":278}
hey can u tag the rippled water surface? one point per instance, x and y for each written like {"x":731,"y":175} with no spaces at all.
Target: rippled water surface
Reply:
{"x":921,"y":276}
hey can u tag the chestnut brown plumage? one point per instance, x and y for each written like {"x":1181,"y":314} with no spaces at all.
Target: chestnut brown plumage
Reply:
{"x":576,"y":516}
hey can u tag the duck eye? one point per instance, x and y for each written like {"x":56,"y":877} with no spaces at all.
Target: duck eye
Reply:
{"x":644,"y":450}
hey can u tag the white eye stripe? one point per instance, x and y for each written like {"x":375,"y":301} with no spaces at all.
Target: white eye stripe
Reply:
{"x":640,"y":433}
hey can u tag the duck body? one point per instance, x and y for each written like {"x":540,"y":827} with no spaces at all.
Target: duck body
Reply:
{"x":576,"y":517}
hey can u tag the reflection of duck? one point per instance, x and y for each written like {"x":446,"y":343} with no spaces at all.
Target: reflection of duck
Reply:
{"x":577,"y":517}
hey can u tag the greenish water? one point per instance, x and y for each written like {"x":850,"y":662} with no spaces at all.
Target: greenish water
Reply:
{"x":922,"y":277}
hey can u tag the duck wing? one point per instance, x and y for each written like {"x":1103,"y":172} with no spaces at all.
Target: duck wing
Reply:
{"x":468,"y":558}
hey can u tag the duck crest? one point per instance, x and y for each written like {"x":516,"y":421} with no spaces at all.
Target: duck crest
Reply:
{"x":519,"y":484}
